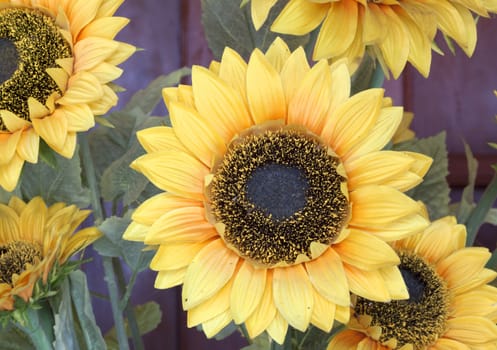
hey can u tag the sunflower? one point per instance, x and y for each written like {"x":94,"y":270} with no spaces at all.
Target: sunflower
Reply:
{"x":33,"y":238}
{"x":450,"y":304}
{"x":396,"y":31}
{"x":58,"y":60}
{"x":279,"y":198}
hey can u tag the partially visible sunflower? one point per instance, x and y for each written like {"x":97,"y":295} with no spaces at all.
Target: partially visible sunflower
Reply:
{"x":396,"y":31}
{"x":58,"y":60}
{"x":450,"y":304}
{"x":279,"y":196}
{"x":33,"y":238}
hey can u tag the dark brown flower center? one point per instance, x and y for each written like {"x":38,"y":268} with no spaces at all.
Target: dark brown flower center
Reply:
{"x":276,"y":192}
{"x":10,"y":59}
{"x":30,"y":42}
{"x":419,"y":320}
{"x":14,"y":256}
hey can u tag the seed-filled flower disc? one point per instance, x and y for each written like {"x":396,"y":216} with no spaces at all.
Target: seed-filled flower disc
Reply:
{"x":278,"y":197}
{"x":450,"y":304}
{"x":57,"y":60}
{"x":33,"y":239}
{"x":395,"y":31}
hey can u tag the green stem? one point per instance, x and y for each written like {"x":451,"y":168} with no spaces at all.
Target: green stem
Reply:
{"x":128,"y":309}
{"x":91,"y":178}
{"x":99,"y":215}
{"x":477,"y":216}
{"x":39,"y":327}
{"x":110,"y":278}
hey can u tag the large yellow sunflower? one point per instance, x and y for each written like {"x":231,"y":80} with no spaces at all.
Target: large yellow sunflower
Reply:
{"x":450,"y":305}
{"x":279,"y":198}
{"x":34,"y":237}
{"x":396,"y":31}
{"x":58,"y":58}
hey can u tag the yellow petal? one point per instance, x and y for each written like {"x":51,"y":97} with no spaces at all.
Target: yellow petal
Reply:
{"x":223,"y":106}
{"x":277,"y":328}
{"x":12,"y":122}
{"x":83,"y":87}
{"x":174,"y":256}
{"x":461,"y":266}
{"x":260,"y":10}
{"x":105,"y":27}
{"x":216,"y":324}
{"x":293,"y":72}
{"x":264,"y":312}
{"x":8,"y":146}
{"x":52,"y":129}
{"x":293,"y":297}
{"x":278,"y":53}
{"x":299,"y":17}
{"x":248,"y":289}
{"x":478,"y":302}
{"x":353,"y":120}
{"x":394,"y":282}
{"x":264,"y":90}
{"x":440,"y":239}
{"x":32,"y":220}
{"x":174,"y":171}
{"x":337,"y":31}
{"x":233,"y":70}
{"x":210,"y":308}
{"x":346,"y":340}
{"x":159,"y":138}
{"x":154,"y":207}
{"x":471,"y":330}
{"x":365,"y":251}
{"x":10,"y":173}
{"x":169,"y":278}
{"x":323,"y":313}
{"x":310,"y":103}
{"x":376,"y":205}
{"x":9,"y":225}
{"x":196,"y":133}
{"x":395,"y":46}
{"x":327,"y":275}
{"x":367,"y":284}
{"x":181,"y":225}
{"x":208,"y":272}
{"x":136,"y":232}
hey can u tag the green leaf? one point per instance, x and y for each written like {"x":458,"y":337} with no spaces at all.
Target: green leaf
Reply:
{"x":11,"y":338}
{"x":260,"y":342}
{"x":112,"y":244}
{"x":227,"y":24}
{"x":148,"y":317}
{"x":61,"y":183}
{"x":463,"y":209}
{"x":118,"y":179}
{"x":368,"y":75}
{"x":434,"y":190}
{"x":65,"y":333}
{"x":47,"y":154}
{"x":84,"y":312}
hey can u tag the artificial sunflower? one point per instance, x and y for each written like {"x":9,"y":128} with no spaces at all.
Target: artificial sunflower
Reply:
{"x":450,"y":304}
{"x":279,"y":198}
{"x":395,"y":31}
{"x":33,"y":238}
{"x":58,"y":60}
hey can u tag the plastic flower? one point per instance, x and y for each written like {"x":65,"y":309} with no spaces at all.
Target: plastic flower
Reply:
{"x":58,"y":58}
{"x":451,"y":306}
{"x":279,"y":197}
{"x":396,"y":31}
{"x":33,"y":238}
